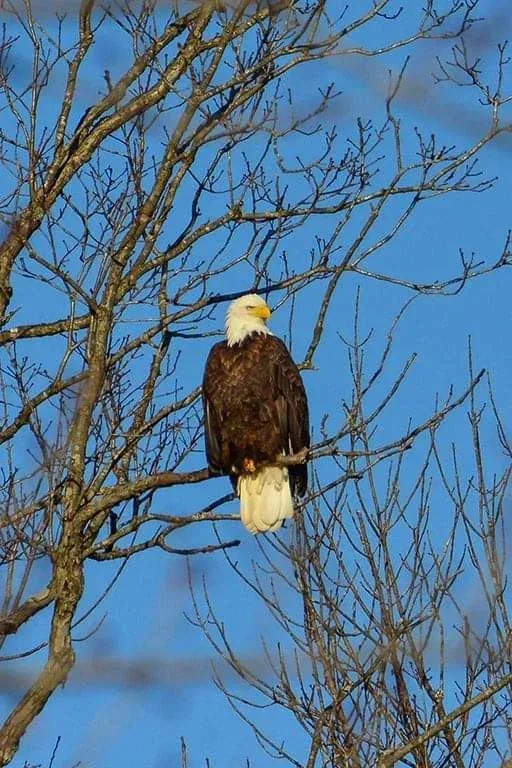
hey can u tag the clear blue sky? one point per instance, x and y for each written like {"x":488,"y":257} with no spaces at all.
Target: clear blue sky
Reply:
{"x":109,"y":725}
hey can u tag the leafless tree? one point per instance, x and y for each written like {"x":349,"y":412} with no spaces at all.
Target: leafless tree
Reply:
{"x":393,"y":600}
{"x":138,"y":199}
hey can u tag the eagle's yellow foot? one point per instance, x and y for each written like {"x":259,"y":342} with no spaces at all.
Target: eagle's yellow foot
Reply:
{"x":249,"y":465}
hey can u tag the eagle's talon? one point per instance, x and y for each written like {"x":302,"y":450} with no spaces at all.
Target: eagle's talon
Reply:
{"x":249,"y":466}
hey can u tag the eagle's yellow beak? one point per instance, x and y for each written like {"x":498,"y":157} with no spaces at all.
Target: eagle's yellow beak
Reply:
{"x":263,"y":312}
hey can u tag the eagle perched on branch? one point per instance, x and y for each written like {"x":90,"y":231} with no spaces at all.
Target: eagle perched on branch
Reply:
{"x":256,"y":414}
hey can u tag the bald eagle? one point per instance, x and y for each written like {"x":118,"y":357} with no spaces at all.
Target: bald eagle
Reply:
{"x":255,"y":410}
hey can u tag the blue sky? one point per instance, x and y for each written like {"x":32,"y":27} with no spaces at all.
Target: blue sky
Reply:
{"x":106,"y":725}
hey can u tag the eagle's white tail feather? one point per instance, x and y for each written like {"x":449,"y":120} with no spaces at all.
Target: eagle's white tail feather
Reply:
{"x":265,"y":499}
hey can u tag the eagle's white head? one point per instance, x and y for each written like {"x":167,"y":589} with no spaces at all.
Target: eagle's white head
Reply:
{"x":246,"y":315}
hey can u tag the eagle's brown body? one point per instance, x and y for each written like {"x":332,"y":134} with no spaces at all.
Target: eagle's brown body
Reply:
{"x":255,"y":408}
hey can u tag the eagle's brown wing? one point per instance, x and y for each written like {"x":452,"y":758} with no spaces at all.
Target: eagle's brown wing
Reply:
{"x":292,"y":407}
{"x":255,"y":406}
{"x":212,"y":381}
